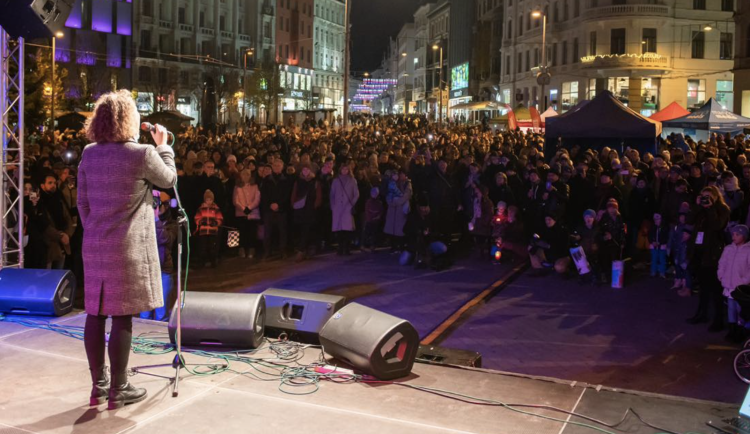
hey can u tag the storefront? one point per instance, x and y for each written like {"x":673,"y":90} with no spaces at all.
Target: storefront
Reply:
{"x":297,"y":85}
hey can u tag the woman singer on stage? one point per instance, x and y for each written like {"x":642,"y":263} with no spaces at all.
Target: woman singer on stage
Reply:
{"x":120,"y":256}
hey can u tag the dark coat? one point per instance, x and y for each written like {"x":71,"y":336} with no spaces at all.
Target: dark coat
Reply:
{"x":711,"y":222}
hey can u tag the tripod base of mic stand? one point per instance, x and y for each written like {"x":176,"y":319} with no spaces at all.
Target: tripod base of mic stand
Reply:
{"x":178,"y":363}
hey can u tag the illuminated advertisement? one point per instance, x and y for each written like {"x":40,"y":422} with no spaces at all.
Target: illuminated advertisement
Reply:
{"x":460,"y":76}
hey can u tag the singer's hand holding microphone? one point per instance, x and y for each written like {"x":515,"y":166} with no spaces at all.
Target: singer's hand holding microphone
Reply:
{"x":158,"y":132}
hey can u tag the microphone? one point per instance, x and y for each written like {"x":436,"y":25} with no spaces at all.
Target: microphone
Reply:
{"x":149,"y":127}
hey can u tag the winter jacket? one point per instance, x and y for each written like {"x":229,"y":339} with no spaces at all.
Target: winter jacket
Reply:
{"x":734,"y":267}
{"x":344,"y":195}
{"x":208,"y":219}
{"x":247,"y":196}
{"x":659,"y":235}
{"x":395,"y":217}
{"x":374,"y":210}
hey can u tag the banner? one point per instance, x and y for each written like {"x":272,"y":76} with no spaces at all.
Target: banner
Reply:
{"x":536,"y":120}
{"x":512,"y":121}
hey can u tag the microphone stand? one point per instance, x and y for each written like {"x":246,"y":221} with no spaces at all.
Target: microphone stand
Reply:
{"x":179,"y":362}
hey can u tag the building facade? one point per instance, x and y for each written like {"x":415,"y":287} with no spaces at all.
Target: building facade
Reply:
{"x":193,"y":56}
{"x":438,"y":35}
{"x":647,"y":53}
{"x":96,"y":50}
{"x":742,"y":60}
{"x":294,"y":48}
{"x":486,"y":58}
{"x":405,"y":69}
{"x":421,"y":46}
{"x":328,"y":55}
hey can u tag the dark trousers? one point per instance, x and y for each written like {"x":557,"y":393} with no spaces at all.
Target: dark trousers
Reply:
{"x":120,"y":338}
{"x":371,"y":234}
{"x":304,"y":235}
{"x":344,"y":239}
{"x":274,"y":222}
{"x":710,"y":295}
{"x":208,"y":249}
{"x":248,"y":232}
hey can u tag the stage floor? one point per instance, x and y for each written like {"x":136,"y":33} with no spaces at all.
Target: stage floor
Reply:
{"x":45,"y":384}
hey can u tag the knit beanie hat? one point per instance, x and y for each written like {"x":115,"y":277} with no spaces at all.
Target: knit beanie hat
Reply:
{"x":742,"y":230}
{"x":589,"y":213}
{"x":208,"y":194}
{"x":613,"y":203}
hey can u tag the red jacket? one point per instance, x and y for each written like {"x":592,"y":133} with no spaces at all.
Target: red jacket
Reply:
{"x":208,"y":219}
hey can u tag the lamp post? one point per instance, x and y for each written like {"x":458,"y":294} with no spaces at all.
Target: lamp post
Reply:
{"x":52,"y":85}
{"x":347,"y":33}
{"x":543,"y":78}
{"x":251,"y":52}
{"x":440,"y":83}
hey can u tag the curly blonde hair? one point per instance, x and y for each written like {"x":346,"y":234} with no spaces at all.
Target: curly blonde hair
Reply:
{"x":115,"y":119}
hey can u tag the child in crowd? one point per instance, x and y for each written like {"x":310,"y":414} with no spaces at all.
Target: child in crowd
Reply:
{"x":677,"y":250}
{"x":374,"y":211}
{"x":658,"y":239}
{"x":734,"y":270}
{"x":585,"y":236}
{"x":207,"y":222}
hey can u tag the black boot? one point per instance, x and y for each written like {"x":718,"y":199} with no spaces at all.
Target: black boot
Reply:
{"x":100,"y":386}
{"x":123,"y":393}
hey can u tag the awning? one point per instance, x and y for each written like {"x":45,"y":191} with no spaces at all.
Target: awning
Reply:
{"x":477,"y":106}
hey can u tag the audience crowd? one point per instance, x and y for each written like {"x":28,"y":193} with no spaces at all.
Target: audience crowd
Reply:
{"x":429,"y":191}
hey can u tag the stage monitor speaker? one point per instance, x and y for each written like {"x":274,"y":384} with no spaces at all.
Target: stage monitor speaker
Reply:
{"x":299,"y":314}
{"x":448,"y":356}
{"x":220,"y":319}
{"x":34,"y":18}
{"x":37,"y":292}
{"x":371,"y":341}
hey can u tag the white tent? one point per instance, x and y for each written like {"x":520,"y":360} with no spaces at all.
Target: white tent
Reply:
{"x":549,"y":113}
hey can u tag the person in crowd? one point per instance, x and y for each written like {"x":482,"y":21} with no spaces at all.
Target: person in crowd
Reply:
{"x":480,"y":225}
{"x":275,"y":196}
{"x":398,"y":202}
{"x":710,"y":216}
{"x":246,"y":200}
{"x":550,"y":247}
{"x":55,"y":217}
{"x":586,"y":237}
{"x":307,"y":198}
{"x":374,"y":211}
{"x":344,"y":195}
{"x":734,"y":270}
{"x":510,"y":235}
{"x":208,"y":220}
{"x":679,"y":242}
{"x":658,"y":239}
{"x":611,"y":240}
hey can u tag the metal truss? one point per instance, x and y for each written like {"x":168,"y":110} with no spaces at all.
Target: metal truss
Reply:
{"x":11,"y":160}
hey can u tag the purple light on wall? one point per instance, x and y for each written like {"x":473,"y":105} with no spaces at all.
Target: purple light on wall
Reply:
{"x":127,"y":63}
{"x":74,"y":19}
{"x":101,"y":16}
{"x":62,"y":56}
{"x":124,"y":11}
{"x":114,"y":52}
{"x":85,"y":58}
{"x":73,"y":92}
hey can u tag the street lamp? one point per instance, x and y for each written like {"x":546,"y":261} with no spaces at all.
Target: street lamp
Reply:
{"x":543,"y":78}
{"x":436,"y":47}
{"x":248,"y":52}
{"x":366,"y":74}
{"x":52,"y":106}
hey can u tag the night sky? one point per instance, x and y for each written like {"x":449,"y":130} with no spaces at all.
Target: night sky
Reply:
{"x":373,"y":21}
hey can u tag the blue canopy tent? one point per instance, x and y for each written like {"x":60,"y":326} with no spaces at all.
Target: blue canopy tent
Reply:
{"x":604,"y":121}
{"x":712,"y":117}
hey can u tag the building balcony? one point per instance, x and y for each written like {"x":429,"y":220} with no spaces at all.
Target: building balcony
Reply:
{"x":741,"y":63}
{"x":617,"y":11}
{"x":164,"y":24}
{"x":226,"y":35}
{"x":207,"y":31}
{"x":147,"y":20}
{"x":244,"y":38}
{"x":185,"y":27}
{"x":648,"y":63}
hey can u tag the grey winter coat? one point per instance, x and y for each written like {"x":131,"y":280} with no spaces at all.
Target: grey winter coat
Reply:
{"x":395,"y":218}
{"x":120,"y":255}
{"x":344,"y":195}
